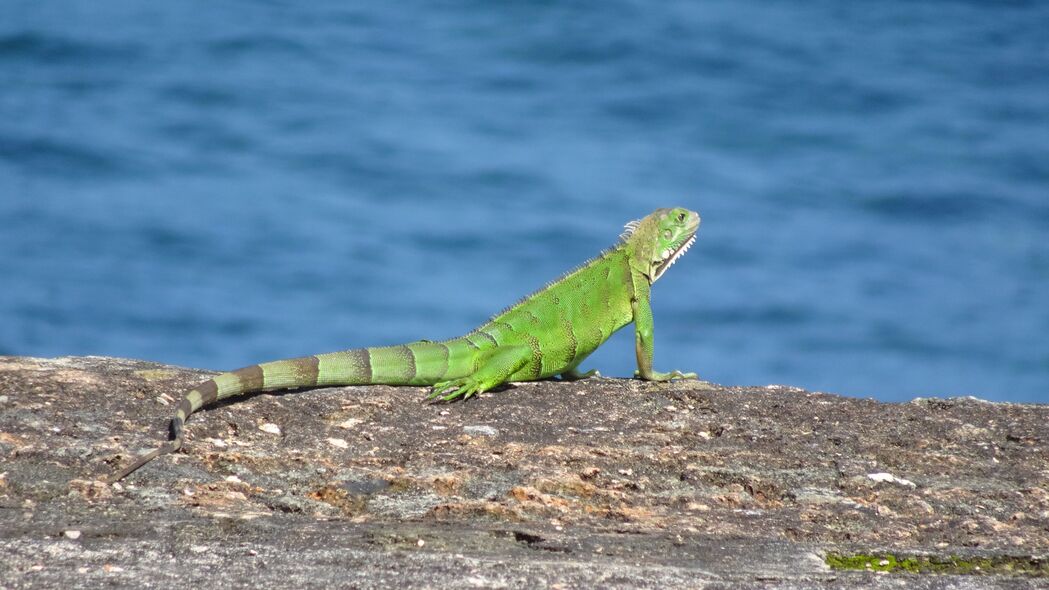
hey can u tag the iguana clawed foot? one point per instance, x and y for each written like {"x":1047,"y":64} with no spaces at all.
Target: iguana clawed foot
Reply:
{"x":464,"y":387}
{"x":657,"y":376}
{"x":575,"y":375}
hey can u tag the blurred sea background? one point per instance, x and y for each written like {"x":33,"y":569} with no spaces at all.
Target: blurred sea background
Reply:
{"x":217,"y":184}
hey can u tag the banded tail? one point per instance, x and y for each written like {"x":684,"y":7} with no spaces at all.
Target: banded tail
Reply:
{"x":417,"y":363}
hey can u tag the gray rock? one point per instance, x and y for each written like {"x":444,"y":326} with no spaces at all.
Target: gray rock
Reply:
{"x":586,"y":484}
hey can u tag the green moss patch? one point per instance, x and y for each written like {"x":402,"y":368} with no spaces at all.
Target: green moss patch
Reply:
{"x":938,"y":564}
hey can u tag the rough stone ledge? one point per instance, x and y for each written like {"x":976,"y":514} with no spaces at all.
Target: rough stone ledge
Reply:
{"x":602,"y":482}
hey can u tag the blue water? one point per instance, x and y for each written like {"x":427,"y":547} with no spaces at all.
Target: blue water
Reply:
{"x":218,"y":183}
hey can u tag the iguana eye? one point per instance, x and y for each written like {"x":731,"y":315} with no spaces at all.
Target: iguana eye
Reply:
{"x":681,"y":216}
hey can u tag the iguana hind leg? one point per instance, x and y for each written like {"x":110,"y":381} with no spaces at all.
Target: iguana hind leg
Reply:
{"x":494,"y":368}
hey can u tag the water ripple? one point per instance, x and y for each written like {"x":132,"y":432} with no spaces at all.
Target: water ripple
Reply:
{"x":50,"y":49}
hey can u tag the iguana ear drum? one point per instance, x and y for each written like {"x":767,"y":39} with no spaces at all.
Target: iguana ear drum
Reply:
{"x":546,"y":334}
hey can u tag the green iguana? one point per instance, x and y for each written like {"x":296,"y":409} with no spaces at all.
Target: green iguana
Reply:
{"x":547,"y":333}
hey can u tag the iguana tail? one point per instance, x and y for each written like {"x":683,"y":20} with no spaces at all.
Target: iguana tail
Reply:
{"x":418,"y":363}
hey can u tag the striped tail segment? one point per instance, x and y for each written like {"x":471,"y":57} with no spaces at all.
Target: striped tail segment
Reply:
{"x":418,"y":363}
{"x":300,"y":372}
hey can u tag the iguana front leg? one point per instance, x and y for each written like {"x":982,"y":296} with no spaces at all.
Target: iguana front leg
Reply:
{"x":493,"y":368}
{"x":643,"y":344}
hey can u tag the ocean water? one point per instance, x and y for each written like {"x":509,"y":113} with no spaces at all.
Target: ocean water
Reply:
{"x":217,"y":184}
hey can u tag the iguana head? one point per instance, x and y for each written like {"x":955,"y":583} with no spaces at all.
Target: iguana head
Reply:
{"x":658,"y":240}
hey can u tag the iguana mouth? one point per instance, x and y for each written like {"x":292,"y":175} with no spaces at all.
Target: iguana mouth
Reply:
{"x":671,"y":256}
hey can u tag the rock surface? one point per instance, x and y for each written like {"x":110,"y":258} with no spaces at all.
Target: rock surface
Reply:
{"x":602,"y":482}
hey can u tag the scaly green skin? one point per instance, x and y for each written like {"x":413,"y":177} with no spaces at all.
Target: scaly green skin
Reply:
{"x":547,"y":333}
